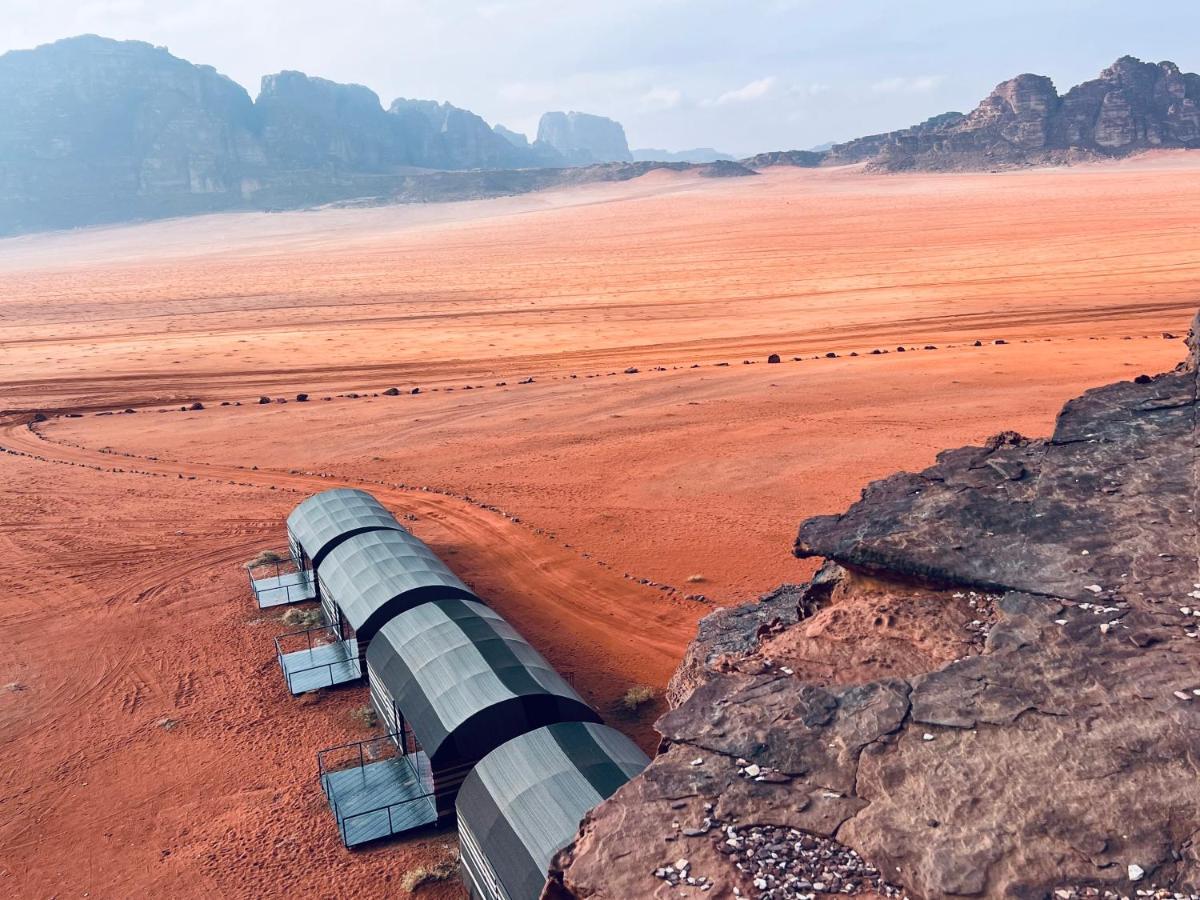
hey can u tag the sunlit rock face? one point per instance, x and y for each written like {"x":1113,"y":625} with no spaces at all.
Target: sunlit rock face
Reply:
{"x":1132,"y":106}
{"x":991,"y":689}
{"x":582,"y":138}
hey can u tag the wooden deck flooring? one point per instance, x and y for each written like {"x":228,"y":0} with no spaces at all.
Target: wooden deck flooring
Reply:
{"x":280,"y":590}
{"x":382,"y":798}
{"x":321,"y":667}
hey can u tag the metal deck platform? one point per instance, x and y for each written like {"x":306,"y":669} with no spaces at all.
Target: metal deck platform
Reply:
{"x":321,"y":666}
{"x":284,"y":589}
{"x":381,"y":799}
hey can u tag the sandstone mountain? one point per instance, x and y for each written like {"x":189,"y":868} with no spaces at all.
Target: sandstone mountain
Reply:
{"x":96,"y":130}
{"x":1132,"y":106}
{"x":99,"y":131}
{"x":991,"y":689}
{"x":582,"y":138}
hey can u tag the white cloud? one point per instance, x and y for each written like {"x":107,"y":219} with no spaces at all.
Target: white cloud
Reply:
{"x":918,"y":84}
{"x":658,"y":99}
{"x":755,"y":90}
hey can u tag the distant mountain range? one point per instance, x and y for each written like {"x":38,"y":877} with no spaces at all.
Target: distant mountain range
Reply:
{"x":95,"y":131}
{"x":1133,"y":106}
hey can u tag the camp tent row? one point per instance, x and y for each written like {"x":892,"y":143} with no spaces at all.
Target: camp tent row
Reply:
{"x":480,"y":727}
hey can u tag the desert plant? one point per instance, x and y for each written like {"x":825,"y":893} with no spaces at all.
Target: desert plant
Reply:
{"x":301,"y":618}
{"x":415,"y":879}
{"x":695,"y":579}
{"x":637,"y":697}
{"x":365,"y":716}
{"x":266,"y":558}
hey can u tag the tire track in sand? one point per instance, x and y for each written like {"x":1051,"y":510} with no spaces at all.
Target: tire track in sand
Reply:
{"x":581,"y":615}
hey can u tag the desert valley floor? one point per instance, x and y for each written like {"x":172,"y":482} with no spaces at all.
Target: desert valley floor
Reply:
{"x":586,"y":421}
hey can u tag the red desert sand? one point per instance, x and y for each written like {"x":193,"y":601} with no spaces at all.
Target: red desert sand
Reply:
{"x":587,"y":448}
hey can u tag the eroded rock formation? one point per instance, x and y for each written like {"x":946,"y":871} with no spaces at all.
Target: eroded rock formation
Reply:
{"x":99,"y":131}
{"x":992,"y":688}
{"x":1132,"y":106}
{"x":582,"y":138}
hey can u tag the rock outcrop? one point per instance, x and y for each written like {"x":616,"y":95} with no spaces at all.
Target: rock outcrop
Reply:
{"x":97,"y":130}
{"x":583,"y":139}
{"x":1133,"y":106}
{"x":310,"y":123}
{"x":516,"y":138}
{"x":992,"y":688}
{"x":443,"y":136}
{"x":804,"y":159}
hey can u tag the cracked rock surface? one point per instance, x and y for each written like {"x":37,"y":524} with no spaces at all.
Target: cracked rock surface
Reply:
{"x":992,"y":690}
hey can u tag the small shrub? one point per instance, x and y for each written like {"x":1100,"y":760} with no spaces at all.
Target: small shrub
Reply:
{"x":302,"y":618}
{"x":267,"y":557}
{"x":365,"y":716}
{"x":695,"y":579}
{"x":417,"y":878}
{"x":637,"y":697}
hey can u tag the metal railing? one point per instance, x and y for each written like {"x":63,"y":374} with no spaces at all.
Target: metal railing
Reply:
{"x":425,"y":799}
{"x":314,"y":639}
{"x":357,"y":753}
{"x":293,"y":591}
{"x":360,"y":754}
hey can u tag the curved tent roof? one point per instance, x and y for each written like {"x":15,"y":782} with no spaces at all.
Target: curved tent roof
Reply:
{"x":525,"y":800}
{"x":326,"y":519}
{"x":380,"y":574}
{"x":466,"y":682}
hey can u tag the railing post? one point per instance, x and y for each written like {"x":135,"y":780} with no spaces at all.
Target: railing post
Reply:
{"x":391,"y":827}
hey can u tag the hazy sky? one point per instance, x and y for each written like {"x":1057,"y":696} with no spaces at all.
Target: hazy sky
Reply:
{"x":741,"y":76}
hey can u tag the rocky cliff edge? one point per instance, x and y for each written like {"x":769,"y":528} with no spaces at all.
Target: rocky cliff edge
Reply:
{"x":991,"y":689}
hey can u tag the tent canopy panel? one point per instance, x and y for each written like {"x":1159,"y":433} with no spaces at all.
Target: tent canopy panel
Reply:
{"x":466,"y":681}
{"x":374,"y":576}
{"x":326,"y":519}
{"x":525,"y":800}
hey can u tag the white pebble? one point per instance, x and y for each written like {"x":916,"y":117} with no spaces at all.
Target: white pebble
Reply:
{"x":1094,"y":588}
{"x":927,"y":736}
{"x":699,"y":761}
{"x":1136,"y":872}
